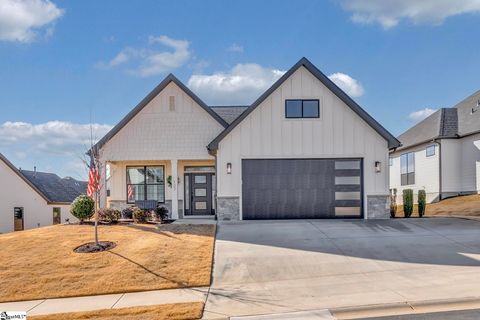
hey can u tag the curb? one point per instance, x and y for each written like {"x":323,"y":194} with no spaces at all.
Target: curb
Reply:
{"x":407,"y":307}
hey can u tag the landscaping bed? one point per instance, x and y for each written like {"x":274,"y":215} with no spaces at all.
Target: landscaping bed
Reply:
{"x":457,"y":206}
{"x":41,"y":263}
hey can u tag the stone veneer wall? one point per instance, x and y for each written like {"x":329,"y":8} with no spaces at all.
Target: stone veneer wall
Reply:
{"x":378,"y":207}
{"x":228,"y":208}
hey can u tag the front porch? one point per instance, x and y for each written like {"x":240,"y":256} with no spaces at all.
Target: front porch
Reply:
{"x":191,"y":194}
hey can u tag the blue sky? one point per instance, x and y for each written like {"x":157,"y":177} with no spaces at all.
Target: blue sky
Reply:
{"x":65,"y":64}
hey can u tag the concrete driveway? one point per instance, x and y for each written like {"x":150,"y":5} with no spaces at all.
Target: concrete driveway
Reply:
{"x":266,"y":267}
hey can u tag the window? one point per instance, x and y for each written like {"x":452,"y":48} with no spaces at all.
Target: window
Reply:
{"x":302,"y":109}
{"x":407,"y":168}
{"x":57,"y":218}
{"x":430,"y":151}
{"x":391,"y":162}
{"x":145,"y":183}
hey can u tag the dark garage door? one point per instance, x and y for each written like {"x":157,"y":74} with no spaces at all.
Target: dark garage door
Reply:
{"x":301,"y":188}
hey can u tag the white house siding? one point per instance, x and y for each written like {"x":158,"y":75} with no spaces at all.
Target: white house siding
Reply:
{"x":426,"y":173}
{"x":460,"y":165}
{"x":156,"y":135}
{"x":37,"y":213}
{"x":338,"y":133}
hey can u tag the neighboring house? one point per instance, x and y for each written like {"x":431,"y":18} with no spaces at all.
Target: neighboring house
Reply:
{"x":441,"y":154}
{"x":34,"y":199}
{"x":303,"y":149}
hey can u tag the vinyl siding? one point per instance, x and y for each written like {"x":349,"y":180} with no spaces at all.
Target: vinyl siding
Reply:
{"x":266,"y":133}
{"x":426,"y":173}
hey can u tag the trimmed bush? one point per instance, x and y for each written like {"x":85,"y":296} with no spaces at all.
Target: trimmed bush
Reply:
{"x":162,"y":213}
{"x":109,"y":215}
{"x":83,"y":208}
{"x":393,"y":202}
{"x":422,"y":202}
{"x":140,"y":215}
{"x":407,"y":202}
{"x":127,"y":213}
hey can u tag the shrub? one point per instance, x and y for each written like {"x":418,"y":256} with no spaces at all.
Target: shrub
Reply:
{"x":127,"y":213}
{"x":162,"y":212}
{"x":407,"y":202}
{"x":109,"y":215}
{"x":422,"y":202}
{"x":393,"y":202}
{"x":140,"y":215}
{"x":82,"y":207}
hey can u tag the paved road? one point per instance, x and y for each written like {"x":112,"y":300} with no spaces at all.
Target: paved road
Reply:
{"x":286,"y":266}
{"x":452,"y":315}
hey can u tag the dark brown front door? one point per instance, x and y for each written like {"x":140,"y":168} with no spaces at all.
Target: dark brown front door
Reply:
{"x":199,"y":194}
{"x":18,"y":224}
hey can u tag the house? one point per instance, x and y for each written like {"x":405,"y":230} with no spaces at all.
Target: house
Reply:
{"x":441,"y":154}
{"x":303,"y":149}
{"x":35,"y":199}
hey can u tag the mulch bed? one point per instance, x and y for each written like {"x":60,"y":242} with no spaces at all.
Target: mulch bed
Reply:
{"x":91,"y":247}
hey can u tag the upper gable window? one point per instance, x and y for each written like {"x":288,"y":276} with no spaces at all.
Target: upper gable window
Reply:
{"x":430,"y":151}
{"x":302,"y":108}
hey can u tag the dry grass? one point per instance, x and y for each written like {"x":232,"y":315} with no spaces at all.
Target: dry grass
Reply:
{"x":181,"y":311}
{"x":458,"y":206}
{"x":40,"y":263}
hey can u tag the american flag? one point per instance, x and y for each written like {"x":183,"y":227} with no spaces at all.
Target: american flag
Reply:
{"x":130,"y":192}
{"x":93,"y":178}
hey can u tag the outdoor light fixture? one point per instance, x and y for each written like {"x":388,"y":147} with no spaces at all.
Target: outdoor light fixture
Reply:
{"x":229,"y":168}
{"x":378,"y":166}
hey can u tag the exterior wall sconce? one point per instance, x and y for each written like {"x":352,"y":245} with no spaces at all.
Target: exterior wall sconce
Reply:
{"x":229,"y":168}
{"x":378,"y":166}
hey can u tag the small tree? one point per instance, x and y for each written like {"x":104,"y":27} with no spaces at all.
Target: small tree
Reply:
{"x":83,"y":208}
{"x":393,"y":202}
{"x":422,"y":202}
{"x":407,"y":202}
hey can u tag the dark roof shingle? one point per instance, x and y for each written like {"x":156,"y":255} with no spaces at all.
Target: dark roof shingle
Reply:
{"x":229,"y":113}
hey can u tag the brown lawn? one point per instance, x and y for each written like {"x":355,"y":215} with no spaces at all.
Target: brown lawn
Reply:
{"x":181,"y":311}
{"x":458,"y":206}
{"x":40,"y":263}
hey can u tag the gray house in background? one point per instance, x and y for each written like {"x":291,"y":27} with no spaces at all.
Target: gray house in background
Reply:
{"x":441,"y":154}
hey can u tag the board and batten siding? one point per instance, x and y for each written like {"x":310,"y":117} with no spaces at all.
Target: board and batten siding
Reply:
{"x":158,"y":133}
{"x":426,"y":173}
{"x":36,"y":211}
{"x":338,"y":133}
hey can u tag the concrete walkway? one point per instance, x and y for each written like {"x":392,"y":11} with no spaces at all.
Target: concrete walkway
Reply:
{"x":108,"y":301}
{"x":269,"y":267}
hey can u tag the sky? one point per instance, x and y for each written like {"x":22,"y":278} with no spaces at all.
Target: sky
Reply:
{"x":70,"y":70}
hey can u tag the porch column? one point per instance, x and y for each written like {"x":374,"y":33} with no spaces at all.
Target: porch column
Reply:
{"x":174,"y":189}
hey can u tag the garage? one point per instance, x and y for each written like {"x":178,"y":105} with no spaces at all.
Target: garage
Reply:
{"x":302,"y":188}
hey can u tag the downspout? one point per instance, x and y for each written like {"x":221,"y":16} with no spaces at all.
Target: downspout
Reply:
{"x":439,"y":169}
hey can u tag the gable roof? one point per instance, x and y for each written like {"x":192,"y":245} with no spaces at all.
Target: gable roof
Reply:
{"x":150,"y":97}
{"x":447,"y":123}
{"x":49,"y":186}
{"x":56,"y":189}
{"x":392,"y":141}
{"x":229,"y":113}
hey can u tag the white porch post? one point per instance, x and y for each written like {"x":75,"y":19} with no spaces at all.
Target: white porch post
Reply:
{"x":174,"y":189}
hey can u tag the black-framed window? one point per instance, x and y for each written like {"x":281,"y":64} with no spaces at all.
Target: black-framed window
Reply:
{"x":145,"y":183}
{"x":306,"y":108}
{"x":407,"y":168}
{"x":430,"y":151}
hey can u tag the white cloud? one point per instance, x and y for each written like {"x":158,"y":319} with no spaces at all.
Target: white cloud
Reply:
{"x":235,"y":48}
{"x":150,"y":61}
{"x":389,"y":13}
{"x":351,"y":86}
{"x":24,"y":20}
{"x":53,"y":137}
{"x":240,"y":85}
{"x":420,"y":114}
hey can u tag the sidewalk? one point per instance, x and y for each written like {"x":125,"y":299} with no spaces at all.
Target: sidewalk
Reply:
{"x":108,"y":301}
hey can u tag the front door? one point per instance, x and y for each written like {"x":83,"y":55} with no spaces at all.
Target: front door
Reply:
{"x":199,"y":194}
{"x":18,"y":224}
